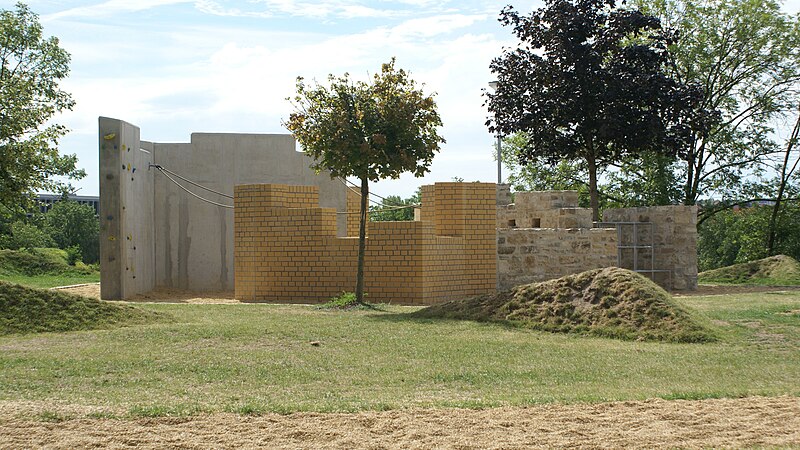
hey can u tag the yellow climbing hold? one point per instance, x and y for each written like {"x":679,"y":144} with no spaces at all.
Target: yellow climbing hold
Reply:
{"x":110,"y":136}
{"x":112,"y":238}
{"x":123,"y":147}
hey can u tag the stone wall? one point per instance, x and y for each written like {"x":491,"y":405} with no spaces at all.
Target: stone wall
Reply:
{"x":528,"y":255}
{"x":544,"y":235}
{"x":286,"y":248}
{"x":663,"y":244}
{"x":544,"y":209}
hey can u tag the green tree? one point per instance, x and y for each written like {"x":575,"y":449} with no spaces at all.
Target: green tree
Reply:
{"x":72,"y":224}
{"x":737,"y":236}
{"x":745,"y":55}
{"x":587,"y":82}
{"x":366,"y":130}
{"x":786,"y":170}
{"x":31,"y":68}
{"x":394,"y":208}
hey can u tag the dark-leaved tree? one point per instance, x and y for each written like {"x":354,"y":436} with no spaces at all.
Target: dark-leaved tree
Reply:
{"x":367,"y":130}
{"x":587,"y":82}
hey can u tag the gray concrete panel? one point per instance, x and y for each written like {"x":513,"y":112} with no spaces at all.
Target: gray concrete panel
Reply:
{"x":181,"y":241}
{"x":127,"y":264}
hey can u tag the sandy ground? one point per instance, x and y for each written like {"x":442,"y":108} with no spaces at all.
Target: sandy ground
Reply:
{"x":176,"y":296}
{"x":746,"y":422}
{"x":158,"y":296}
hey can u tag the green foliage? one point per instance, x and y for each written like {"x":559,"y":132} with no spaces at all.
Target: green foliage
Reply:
{"x":366,"y":130}
{"x":26,"y":235}
{"x":731,"y":237}
{"x":650,"y":179}
{"x":347,"y":301}
{"x":32,"y":67}
{"x":73,"y":255}
{"x":609,"y":302}
{"x":394,"y":208}
{"x":44,"y":268}
{"x":29,"y":310}
{"x":72,"y":224}
{"x":780,"y":270}
{"x":745,"y":55}
{"x":587,"y":82}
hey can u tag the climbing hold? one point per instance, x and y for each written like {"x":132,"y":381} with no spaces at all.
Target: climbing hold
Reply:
{"x":112,"y":238}
{"x":134,"y":170}
{"x":123,"y":147}
{"x":129,"y":167}
{"x":123,"y":167}
{"x":110,"y":136}
{"x":129,"y":237}
{"x":109,"y":217}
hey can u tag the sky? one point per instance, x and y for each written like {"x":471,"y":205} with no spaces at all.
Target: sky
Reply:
{"x":173,"y":67}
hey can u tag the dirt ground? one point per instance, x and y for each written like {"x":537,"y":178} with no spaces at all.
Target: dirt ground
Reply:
{"x":745,"y":422}
{"x":176,"y":296}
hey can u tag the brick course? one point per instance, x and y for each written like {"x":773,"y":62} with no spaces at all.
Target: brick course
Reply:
{"x":286,"y":249}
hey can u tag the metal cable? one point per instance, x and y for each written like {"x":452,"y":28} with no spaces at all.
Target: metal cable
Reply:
{"x":163,"y":169}
{"x":190,"y":192}
{"x":393,"y":208}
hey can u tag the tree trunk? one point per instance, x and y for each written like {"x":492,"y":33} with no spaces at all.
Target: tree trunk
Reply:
{"x":362,"y":240}
{"x":773,"y":220}
{"x":593,"y":197}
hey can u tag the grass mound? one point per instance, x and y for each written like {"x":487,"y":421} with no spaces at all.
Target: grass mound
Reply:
{"x":776,"y":270}
{"x":31,"y":310}
{"x":43,"y":267}
{"x":608,"y":302}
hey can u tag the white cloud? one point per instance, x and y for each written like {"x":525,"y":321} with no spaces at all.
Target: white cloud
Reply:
{"x":112,"y":7}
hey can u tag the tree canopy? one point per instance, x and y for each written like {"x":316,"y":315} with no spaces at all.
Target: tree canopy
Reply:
{"x":31,"y":68}
{"x":588,"y":82}
{"x":366,"y":130}
{"x":745,"y":56}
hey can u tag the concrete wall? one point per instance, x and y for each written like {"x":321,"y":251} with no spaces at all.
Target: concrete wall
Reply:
{"x":191,"y":241}
{"x":127,"y":245}
{"x":669,"y":234}
{"x":287,"y":249}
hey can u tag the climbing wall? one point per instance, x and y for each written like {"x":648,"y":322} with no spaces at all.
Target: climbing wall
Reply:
{"x":127,"y":262}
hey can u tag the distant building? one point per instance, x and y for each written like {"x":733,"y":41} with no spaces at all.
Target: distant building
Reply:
{"x":45,"y":201}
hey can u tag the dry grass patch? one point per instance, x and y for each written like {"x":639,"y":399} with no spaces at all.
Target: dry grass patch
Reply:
{"x":608,"y":302}
{"x":777,"y":270}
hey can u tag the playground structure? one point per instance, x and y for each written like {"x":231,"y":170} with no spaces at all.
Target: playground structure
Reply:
{"x":167,"y":221}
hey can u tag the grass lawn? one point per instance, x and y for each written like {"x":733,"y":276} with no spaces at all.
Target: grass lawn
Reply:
{"x":257,"y":358}
{"x":48,"y":281}
{"x":43,"y":268}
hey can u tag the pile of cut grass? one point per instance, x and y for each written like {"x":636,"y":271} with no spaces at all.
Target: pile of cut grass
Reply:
{"x":608,"y":302}
{"x":30,"y":310}
{"x":43,"y":267}
{"x":779,"y":270}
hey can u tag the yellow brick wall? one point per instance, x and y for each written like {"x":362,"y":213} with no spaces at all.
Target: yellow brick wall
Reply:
{"x":353,"y":208}
{"x":286,"y":249}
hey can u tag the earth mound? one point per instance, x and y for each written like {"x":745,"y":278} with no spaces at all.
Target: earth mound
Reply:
{"x":610,"y":302}
{"x":775,"y":270}
{"x":31,"y":310}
